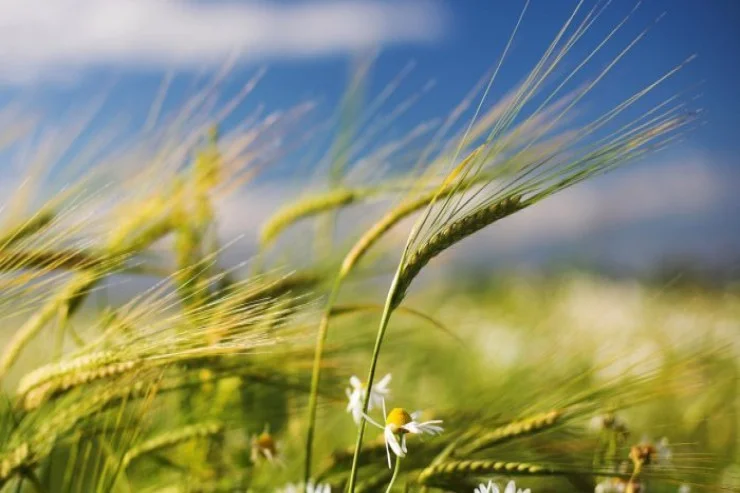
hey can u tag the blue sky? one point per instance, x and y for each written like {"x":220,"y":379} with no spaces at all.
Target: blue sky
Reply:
{"x":59,"y":55}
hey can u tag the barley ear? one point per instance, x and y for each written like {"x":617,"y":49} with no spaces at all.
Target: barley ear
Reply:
{"x":513,"y":430}
{"x":452,"y":470}
{"x":448,"y":236}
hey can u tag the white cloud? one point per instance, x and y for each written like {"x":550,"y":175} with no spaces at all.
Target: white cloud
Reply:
{"x":40,"y":38}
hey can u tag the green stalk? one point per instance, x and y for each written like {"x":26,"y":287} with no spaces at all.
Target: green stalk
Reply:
{"x":384,"y":319}
{"x":395,"y":474}
{"x":316,"y":374}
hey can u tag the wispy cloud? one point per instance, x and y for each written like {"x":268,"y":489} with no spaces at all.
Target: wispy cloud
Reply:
{"x":41,"y":38}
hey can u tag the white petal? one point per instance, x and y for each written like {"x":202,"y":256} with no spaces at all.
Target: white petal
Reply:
{"x":403,"y":444}
{"x":353,"y":399}
{"x":428,"y":427}
{"x":392,"y":441}
{"x":510,"y":488}
{"x":387,"y":451}
{"x":382,"y":385}
{"x":412,"y":427}
{"x":373,"y":422}
{"x":355,"y":382}
{"x":357,"y":414}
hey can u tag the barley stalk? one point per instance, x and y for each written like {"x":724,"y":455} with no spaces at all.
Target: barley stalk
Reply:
{"x":31,"y":226}
{"x":75,"y":288}
{"x":459,"y":469}
{"x":448,"y":236}
{"x":39,"y":443}
{"x":15,"y":460}
{"x":36,"y":395}
{"x":172,"y":438}
{"x":350,"y":260}
{"x":401,"y":212}
{"x":138,"y":232}
{"x":19,"y":259}
{"x":46,"y":373}
{"x":512,"y":430}
{"x":307,"y":207}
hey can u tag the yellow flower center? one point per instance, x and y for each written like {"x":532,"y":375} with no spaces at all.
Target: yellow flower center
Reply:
{"x":397,"y":419}
{"x":266,"y":442}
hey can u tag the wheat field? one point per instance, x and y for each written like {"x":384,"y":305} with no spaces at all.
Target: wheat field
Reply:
{"x":143,"y":350}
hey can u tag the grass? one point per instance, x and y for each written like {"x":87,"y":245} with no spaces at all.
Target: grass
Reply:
{"x":135,"y":357}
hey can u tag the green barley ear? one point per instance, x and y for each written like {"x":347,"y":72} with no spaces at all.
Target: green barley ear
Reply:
{"x":307,"y":207}
{"x":172,"y":438}
{"x":208,"y":161}
{"x":19,"y":232}
{"x":444,"y":474}
{"x":77,"y":287}
{"x":448,"y":236}
{"x":510,"y":431}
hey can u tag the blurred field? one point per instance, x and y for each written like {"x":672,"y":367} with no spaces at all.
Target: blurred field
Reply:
{"x":143,"y":350}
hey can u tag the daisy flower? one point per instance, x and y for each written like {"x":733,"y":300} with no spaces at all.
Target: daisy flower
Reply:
{"x":357,"y":393}
{"x":310,"y":488}
{"x":612,"y":485}
{"x":398,"y":423}
{"x":664,"y":453}
{"x":492,"y":487}
{"x":608,"y":421}
{"x":264,"y":447}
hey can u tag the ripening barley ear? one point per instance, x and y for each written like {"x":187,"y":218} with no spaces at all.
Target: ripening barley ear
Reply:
{"x":307,"y":207}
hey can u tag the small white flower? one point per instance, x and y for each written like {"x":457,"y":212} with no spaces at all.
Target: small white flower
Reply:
{"x":357,"y":392}
{"x":264,"y":447}
{"x":398,"y":423}
{"x":492,"y":487}
{"x":664,"y":453}
{"x":608,"y":421}
{"x":511,"y":488}
{"x":611,"y":486}
{"x":684,"y":488}
{"x":310,"y":488}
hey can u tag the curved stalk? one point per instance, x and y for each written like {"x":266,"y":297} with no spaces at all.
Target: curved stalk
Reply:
{"x":385,"y":318}
{"x":395,"y":474}
{"x":316,"y":375}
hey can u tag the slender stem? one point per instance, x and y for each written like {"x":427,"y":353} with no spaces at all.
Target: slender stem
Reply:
{"x":316,"y":374}
{"x":384,"y":319}
{"x":395,"y":474}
